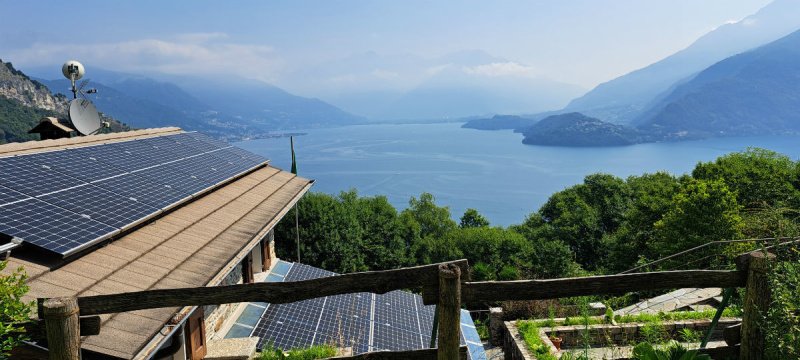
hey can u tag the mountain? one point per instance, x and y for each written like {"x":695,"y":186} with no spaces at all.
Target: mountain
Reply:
{"x":623,"y":99}
{"x":501,"y":122}
{"x":405,"y":86}
{"x":24,"y":101}
{"x":480,"y":90}
{"x":263,"y":106}
{"x":576,"y":129}
{"x":753,"y":93}
{"x":139,"y":112}
{"x":232,"y":108}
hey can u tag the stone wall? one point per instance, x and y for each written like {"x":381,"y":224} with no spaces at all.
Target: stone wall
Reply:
{"x":215,"y":315}
{"x":514,"y":346}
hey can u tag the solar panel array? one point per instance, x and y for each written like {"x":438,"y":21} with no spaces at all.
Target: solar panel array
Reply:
{"x":394,"y":321}
{"x":65,"y":200}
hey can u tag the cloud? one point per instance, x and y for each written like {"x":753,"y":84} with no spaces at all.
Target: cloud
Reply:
{"x":200,"y":37}
{"x":193,"y":53}
{"x":497,"y":69}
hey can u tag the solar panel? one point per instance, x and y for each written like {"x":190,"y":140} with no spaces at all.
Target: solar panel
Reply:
{"x":78,"y":163}
{"x":67,"y":199}
{"x":107,"y":207}
{"x":143,"y":190}
{"x":8,"y":195}
{"x":176,"y":180}
{"x":32,"y":179}
{"x":50,"y":227}
{"x":366,"y":322}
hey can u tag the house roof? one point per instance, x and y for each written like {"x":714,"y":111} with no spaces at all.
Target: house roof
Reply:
{"x":193,"y":245}
{"x":50,"y":122}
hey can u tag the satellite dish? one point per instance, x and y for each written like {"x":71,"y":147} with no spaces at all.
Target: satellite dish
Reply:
{"x":84,"y":116}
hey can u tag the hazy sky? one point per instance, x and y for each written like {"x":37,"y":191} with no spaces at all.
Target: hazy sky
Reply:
{"x":577,"y":41}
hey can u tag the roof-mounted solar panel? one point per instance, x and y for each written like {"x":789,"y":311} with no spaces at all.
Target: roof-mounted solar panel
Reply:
{"x":66,"y":200}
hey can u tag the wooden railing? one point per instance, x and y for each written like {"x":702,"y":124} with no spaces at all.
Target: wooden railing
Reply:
{"x":444,"y":284}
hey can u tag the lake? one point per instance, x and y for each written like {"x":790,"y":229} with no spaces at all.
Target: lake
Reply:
{"x":491,"y":171}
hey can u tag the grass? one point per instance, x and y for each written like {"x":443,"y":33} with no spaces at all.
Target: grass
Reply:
{"x":312,"y":353}
{"x":530,"y":333}
{"x":638,"y":318}
{"x":652,"y":331}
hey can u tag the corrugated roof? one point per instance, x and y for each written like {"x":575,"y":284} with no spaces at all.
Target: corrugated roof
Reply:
{"x":194,"y":245}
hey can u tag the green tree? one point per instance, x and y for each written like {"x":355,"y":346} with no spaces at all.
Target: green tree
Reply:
{"x":13,"y":310}
{"x":566,"y":216}
{"x":433,"y":220}
{"x":651,"y":198}
{"x":759,"y":177}
{"x":472,"y":218}
{"x":702,"y":211}
{"x":330,"y":234}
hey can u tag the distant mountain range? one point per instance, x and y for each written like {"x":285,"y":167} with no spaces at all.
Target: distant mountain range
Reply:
{"x":753,"y":92}
{"x":230,"y":108}
{"x":623,"y":99}
{"x":408,"y":87}
{"x":24,"y":101}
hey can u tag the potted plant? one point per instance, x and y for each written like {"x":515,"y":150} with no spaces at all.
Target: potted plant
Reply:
{"x":556,"y":340}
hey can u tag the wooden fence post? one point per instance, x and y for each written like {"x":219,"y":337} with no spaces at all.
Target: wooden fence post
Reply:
{"x":449,"y":309}
{"x":756,"y":301}
{"x":63,"y":328}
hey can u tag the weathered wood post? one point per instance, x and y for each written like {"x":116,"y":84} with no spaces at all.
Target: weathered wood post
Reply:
{"x":63,"y":328}
{"x":756,"y":301}
{"x":449,"y":308}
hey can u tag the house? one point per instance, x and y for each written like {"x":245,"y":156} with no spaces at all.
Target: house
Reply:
{"x":217,"y":235}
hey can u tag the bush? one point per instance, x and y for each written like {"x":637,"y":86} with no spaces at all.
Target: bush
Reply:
{"x":13,"y":311}
{"x":781,"y":323}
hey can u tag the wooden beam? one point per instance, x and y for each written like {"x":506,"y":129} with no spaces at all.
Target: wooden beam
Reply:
{"x":423,"y":354}
{"x":489,"y":291}
{"x":63,"y":330}
{"x":277,"y":293}
{"x":89,"y":325}
{"x":449,"y":308}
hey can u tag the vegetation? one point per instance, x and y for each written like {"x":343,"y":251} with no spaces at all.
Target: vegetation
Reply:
{"x":13,"y":311}
{"x":604,"y":225}
{"x":311,"y":353}
{"x":781,"y":323}
{"x":671,"y":351}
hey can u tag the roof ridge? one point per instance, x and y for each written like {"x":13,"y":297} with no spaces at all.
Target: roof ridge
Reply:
{"x":80,"y":141}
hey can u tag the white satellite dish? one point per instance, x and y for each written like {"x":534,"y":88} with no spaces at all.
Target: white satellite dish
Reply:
{"x":84,"y":116}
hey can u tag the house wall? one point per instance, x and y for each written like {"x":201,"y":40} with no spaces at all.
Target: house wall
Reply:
{"x":217,"y":314}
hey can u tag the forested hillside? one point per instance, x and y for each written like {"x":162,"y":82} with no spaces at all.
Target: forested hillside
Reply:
{"x":23,"y":102}
{"x":604,"y":225}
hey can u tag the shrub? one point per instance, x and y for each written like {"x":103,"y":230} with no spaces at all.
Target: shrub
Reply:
{"x":13,"y":311}
{"x":311,"y":353}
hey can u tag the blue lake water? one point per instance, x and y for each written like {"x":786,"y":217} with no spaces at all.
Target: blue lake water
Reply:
{"x":491,"y":171}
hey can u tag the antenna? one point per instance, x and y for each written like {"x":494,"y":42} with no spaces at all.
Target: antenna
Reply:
{"x":73,"y":70}
{"x":82,"y":113}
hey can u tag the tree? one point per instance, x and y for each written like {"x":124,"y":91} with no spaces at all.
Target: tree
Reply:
{"x":433,"y":220}
{"x":566,"y":216}
{"x":330,"y":234}
{"x":472,"y":218}
{"x":759,"y":177}
{"x":702,"y":211}
{"x":13,"y":310}
{"x":651,"y":198}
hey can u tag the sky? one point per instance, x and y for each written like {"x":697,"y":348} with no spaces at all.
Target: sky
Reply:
{"x":582,"y":42}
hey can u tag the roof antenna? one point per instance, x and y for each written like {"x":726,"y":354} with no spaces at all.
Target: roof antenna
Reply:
{"x":82,"y":113}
